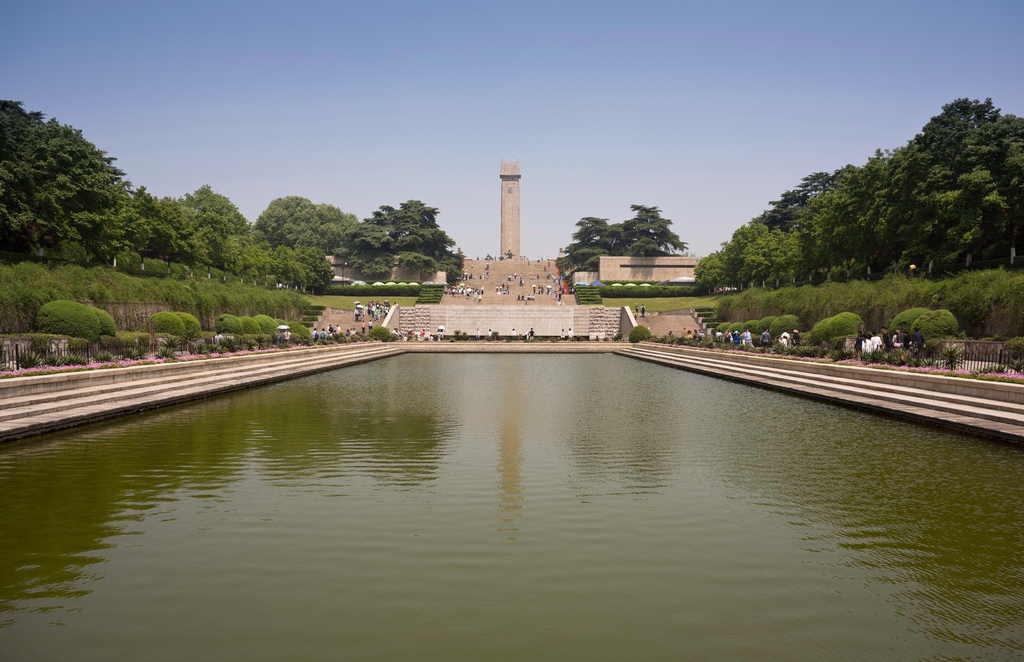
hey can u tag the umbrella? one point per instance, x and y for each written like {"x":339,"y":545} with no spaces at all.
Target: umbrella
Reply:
{"x":283,"y":327}
{"x":616,"y":284}
{"x":440,"y":327}
{"x":630,"y":285}
{"x":584,"y":284}
{"x":645,"y":285}
{"x":378,"y":283}
{"x":359,"y":305}
{"x":390,"y":282}
{"x":359,"y":282}
{"x":597,"y":283}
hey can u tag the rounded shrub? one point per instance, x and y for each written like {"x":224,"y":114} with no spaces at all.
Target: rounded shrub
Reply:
{"x":381,"y":333}
{"x":1015,"y":347}
{"x":250,"y":326}
{"x":763,"y":325}
{"x":167,"y":323}
{"x":227,"y":324}
{"x":783,"y":323}
{"x":735,"y":326}
{"x":906,"y":319}
{"x":107,"y":326}
{"x":267,"y":324}
{"x":723,"y":327}
{"x":937,"y":324}
{"x":191,"y":323}
{"x":68,"y":318}
{"x":300,"y":332}
{"x":639,"y":333}
{"x":835,"y":328}
{"x":750,"y":324}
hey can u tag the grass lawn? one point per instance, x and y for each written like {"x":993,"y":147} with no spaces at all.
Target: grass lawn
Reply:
{"x":349,"y":303}
{"x":663,"y":303}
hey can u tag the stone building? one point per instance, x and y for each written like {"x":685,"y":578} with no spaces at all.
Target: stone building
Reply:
{"x":510,"y":208}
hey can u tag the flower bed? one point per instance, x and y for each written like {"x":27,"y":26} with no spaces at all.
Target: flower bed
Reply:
{"x":126,"y":363}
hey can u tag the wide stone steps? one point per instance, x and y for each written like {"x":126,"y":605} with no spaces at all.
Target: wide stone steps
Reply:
{"x":30,"y":405}
{"x":56,"y":408}
{"x":988,"y":415}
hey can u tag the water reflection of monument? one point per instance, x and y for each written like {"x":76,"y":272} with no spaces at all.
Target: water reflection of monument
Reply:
{"x":510,"y":457}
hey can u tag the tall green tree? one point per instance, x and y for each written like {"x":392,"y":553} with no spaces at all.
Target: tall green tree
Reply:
{"x":646,"y":234}
{"x":219,"y":228}
{"x":55,"y":186}
{"x":408,"y":235}
{"x":296,"y":222}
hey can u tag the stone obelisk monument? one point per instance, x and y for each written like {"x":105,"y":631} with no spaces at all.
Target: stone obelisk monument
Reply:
{"x":510,"y":208}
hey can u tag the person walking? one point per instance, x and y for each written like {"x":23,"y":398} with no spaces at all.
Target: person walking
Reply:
{"x":766,"y":338}
{"x":643,"y":310}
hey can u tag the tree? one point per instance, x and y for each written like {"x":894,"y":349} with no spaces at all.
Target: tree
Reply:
{"x":219,"y":227}
{"x":785,"y":213}
{"x":646,"y":234}
{"x":296,"y":222}
{"x":55,"y":186}
{"x":409,"y":236}
{"x":160,"y":229}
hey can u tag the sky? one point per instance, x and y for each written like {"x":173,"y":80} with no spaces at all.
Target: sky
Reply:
{"x":707,"y":110}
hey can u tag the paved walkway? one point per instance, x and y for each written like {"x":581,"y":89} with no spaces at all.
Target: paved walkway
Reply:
{"x":661,"y":323}
{"x":533,"y":273}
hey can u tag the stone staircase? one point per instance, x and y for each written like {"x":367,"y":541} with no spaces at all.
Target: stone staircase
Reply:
{"x":532,"y":272}
{"x":992,"y":409}
{"x":676,"y":321}
{"x":34,"y":405}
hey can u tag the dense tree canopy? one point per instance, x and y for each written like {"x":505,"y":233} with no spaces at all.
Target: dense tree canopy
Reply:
{"x":296,"y":222}
{"x":408,"y":235}
{"x":55,"y":186}
{"x":60,"y":194}
{"x":646,"y":234}
{"x":953,"y":193}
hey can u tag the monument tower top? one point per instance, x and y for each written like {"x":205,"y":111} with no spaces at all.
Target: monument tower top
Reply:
{"x":510,"y":208}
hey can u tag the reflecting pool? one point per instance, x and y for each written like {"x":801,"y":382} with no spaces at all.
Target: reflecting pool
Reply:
{"x":510,"y":507}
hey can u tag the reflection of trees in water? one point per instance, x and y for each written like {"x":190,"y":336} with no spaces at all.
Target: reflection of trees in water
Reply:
{"x":63,"y":497}
{"x":932,"y":515}
{"x":393,"y":427}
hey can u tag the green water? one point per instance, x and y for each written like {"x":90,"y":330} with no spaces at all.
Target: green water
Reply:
{"x":498,"y":507}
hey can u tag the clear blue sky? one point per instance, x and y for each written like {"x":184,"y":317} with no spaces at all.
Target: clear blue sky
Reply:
{"x":708,"y":110}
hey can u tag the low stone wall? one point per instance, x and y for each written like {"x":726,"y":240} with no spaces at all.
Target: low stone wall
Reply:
{"x":546,"y":321}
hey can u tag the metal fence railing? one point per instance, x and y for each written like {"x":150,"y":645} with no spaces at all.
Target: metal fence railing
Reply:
{"x":19,"y":356}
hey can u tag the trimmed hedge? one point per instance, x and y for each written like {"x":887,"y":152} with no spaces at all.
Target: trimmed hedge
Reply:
{"x":191,"y":323}
{"x":906,"y":319}
{"x":763,"y":325}
{"x":300,"y":333}
{"x":1015,"y":346}
{"x":639,"y":333}
{"x":381,"y":333}
{"x":382,"y":291}
{"x":267,"y":324}
{"x":609,"y":292}
{"x":833,"y":329}
{"x":784,"y":323}
{"x":735,"y":326}
{"x":250,"y":326}
{"x":228,"y":324}
{"x":430,"y":294}
{"x":167,"y":323}
{"x":69,"y":318}
{"x":723,"y":327}
{"x":107,"y":326}
{"x":937,"y":324}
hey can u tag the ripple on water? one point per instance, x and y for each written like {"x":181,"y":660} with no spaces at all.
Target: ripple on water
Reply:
{"x":510,"y":507}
